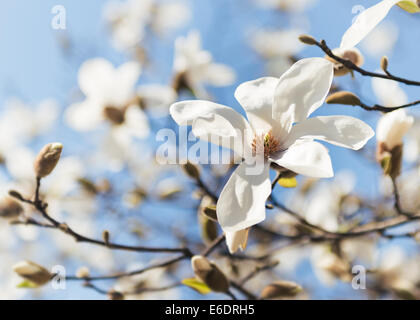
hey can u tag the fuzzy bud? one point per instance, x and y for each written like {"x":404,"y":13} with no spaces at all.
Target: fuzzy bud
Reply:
{"x":32,"y":272}
{"x":307,"y":39}
{"x":384,"y":63}
{"x":115,"y":295}
{"x":343,"y":97}
{"x":210,"y":212}
{"x":83,"y":273}
{"x":390,"y":160}
{"x":47,"y":159}
{"x":280,"y":289}
{"x":392,"y":127}
{"x":210,"y":274}
{"x":353,"y":55}
{"x":10,"y":209}
{"x":105,"y":236}
{"x":191,"y":170}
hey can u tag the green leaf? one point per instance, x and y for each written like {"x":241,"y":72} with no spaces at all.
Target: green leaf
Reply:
{"x":26,"y":284}
{"x":288,"y":182}
{"x":196,"y":285}
{"x":408,"y":6}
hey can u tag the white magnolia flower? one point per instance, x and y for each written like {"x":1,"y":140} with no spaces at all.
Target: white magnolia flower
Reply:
{"x":388,"y":92}
{"x":110,"y":95}
{"x":392,"y":127}
{"x":273,"y":43}
{"x":194,"y":67}
{"x":279,"y":47}
{"x":129,"y":19}
{"x":325,"y":204}
{"x":277,"y":111}
{"x":369,"y":19}
{"x":20,"y":123}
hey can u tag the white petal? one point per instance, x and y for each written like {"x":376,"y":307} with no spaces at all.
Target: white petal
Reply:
{"x":242,"y":201}
{"x":303,"y":87}
{"x":156,"y":97}
{"x":237,"y":240}
{"x":392,"y":127}
{"x":99,"y":80}
{"x":256,"y":97}
{"x":83,"y":116}
{"x":94,"y":76}
{"x":307,"y":158}
{"x":211,"y":121}
{"x":365,"y":23}
{"x":136,"y":122}
{"x":169,"y":16}
{"x":343,"y":131}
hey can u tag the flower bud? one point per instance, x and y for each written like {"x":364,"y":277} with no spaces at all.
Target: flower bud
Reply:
{"x":390,"y":131}
{"x":47,"y":159}
{"x":210,"y":274}
{"x":392,"y":127}
{"x":210,"y":212}
{"x":390,"y":160}
{"x":384,"y":63}
{"x":352,"y":54}
{"x":343,"y":97}
{"x":209,"y":231}
{"x":307,"y":39}
{"x":115,"y":295}
{"x":280,"y":289}
{"x":83,"y":273}
{"x":33,"y":272}
{"x":105,"y":236}
{"x":237,"y":240}
{"x":191,"y":170}
{"x":10,"y":209}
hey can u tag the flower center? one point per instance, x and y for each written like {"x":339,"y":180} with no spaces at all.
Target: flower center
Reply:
{"x":115,"y":115}
{"x":265,"y":144}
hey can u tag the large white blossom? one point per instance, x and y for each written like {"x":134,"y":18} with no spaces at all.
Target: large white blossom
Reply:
{"x":277,"y":111}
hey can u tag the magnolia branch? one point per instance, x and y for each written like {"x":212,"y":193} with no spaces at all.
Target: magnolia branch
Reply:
{"x":41,"y":207}
{"x":350,"y":65}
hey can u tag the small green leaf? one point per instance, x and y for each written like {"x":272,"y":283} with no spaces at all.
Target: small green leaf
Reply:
{"x":196,"y":285}
{"x":26,"y":284}
{"x":288,"y":182}
{"x":408,"y":6}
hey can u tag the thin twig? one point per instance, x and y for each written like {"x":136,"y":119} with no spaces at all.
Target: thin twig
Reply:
{"x":350,"y":65}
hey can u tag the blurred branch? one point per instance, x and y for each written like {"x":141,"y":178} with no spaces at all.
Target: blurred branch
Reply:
{"x":41,"y":207}
{"x":378,"y":107}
